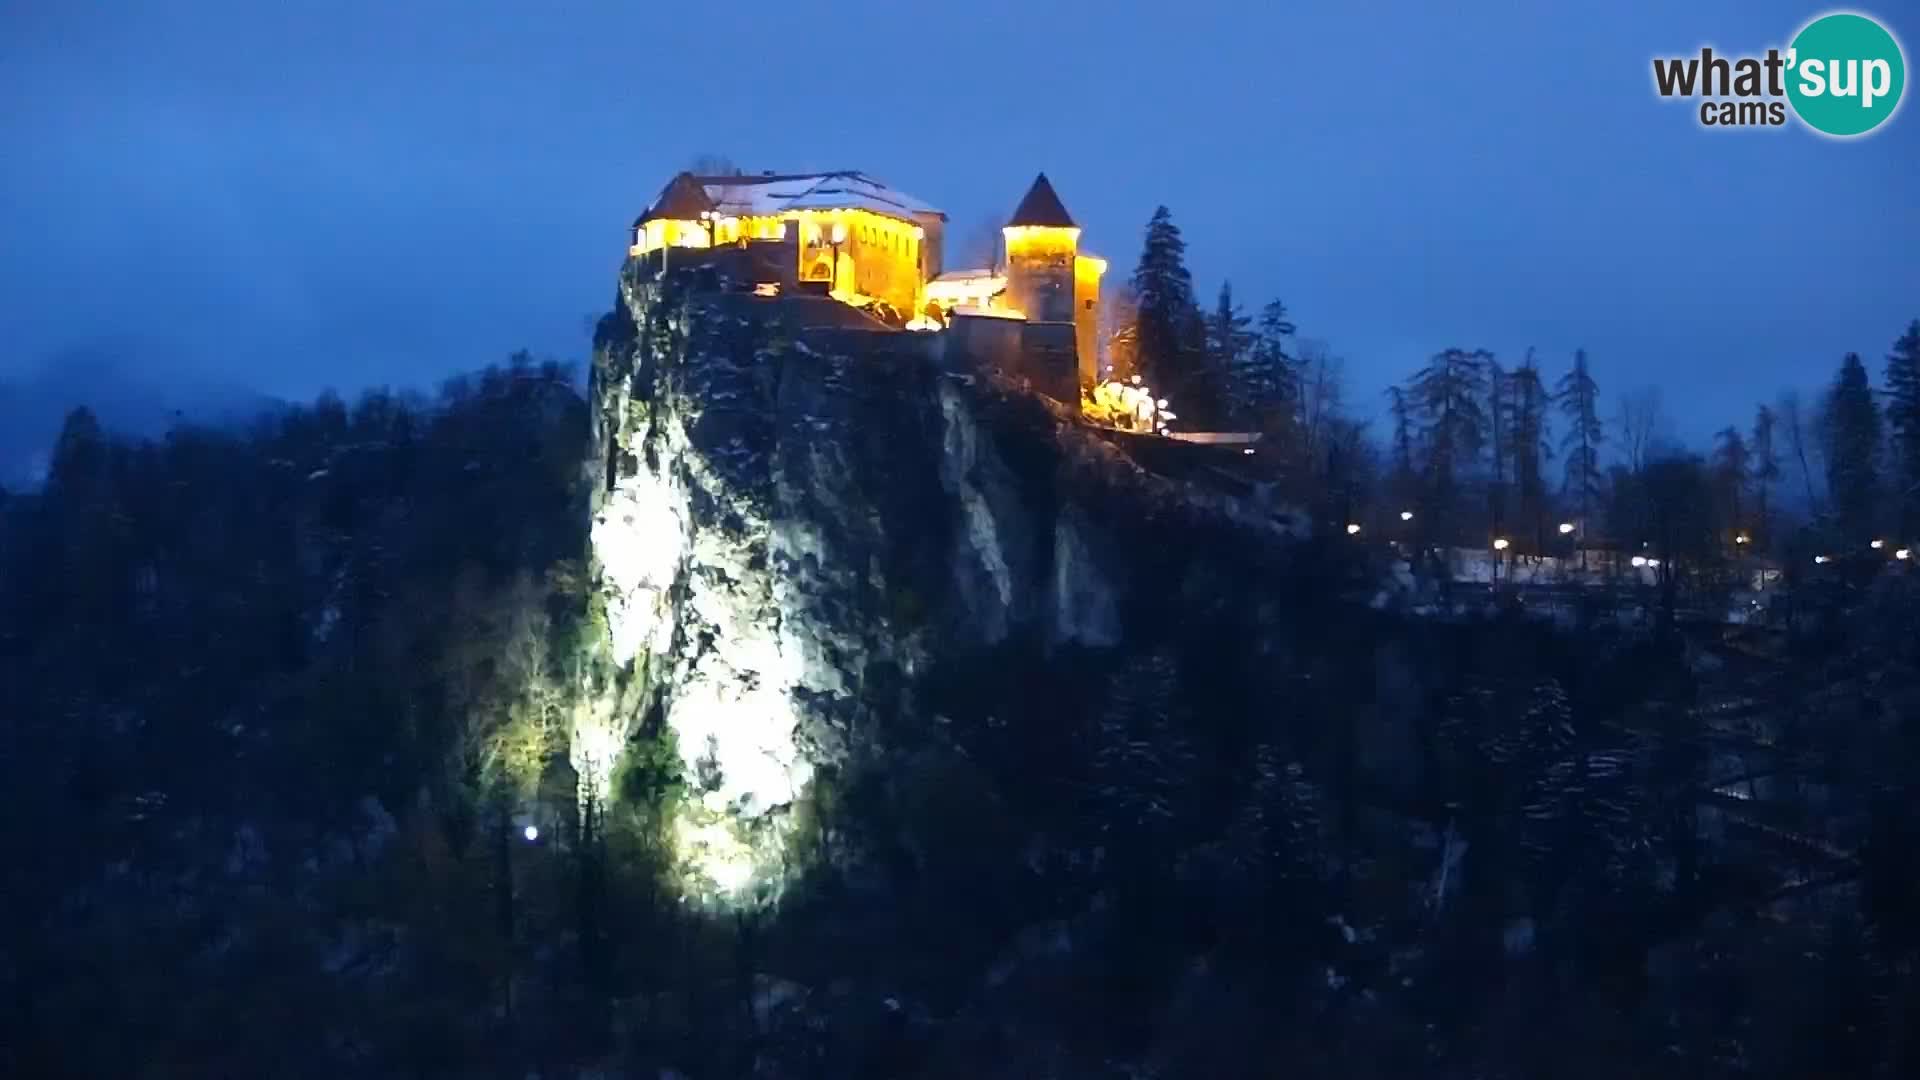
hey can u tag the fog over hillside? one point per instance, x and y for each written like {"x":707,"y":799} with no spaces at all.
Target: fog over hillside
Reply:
{"x":135,"y":389}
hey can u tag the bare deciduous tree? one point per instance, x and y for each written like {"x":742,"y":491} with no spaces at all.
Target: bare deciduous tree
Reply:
{"x":719,"y":165}
{"x":1642,"y":424}
{"x":714,"y":165}
{"x":1320,"y":373}
{"x":1796,"y":427}
{"x":1119,"y":331}
{"x":981,"y":245}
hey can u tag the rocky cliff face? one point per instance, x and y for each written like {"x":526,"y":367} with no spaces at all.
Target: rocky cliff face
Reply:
{"x":792,"y":521}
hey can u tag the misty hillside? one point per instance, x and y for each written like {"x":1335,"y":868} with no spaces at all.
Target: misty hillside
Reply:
{"x":130,"y":390}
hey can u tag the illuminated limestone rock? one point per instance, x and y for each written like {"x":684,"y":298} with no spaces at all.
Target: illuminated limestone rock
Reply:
{"x":717,"y":544}
{"x":792,"y":520}
{"x":639,"y":538}
{"x":967,"y":471}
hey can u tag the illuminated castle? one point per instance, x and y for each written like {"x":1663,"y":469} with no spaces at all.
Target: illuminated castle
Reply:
{"x":1046,"y":279}
{"x":843,"y":234}
{"x":850,"y":237}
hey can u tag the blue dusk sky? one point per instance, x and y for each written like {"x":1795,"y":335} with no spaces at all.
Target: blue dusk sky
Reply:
{"x":299,"y":195}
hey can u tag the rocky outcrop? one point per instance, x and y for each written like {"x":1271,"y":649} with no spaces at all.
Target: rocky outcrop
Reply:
{"x":793,"y":519}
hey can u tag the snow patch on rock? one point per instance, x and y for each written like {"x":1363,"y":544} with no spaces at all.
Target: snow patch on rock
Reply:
{"x":958,"y":465}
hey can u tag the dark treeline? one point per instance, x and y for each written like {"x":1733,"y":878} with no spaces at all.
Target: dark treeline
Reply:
{"x":263,"y":691}
{"x":281,"y":703}
{"x":1479,"y":448}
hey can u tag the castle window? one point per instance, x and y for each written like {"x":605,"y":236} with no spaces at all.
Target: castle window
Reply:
{"x":1089,"y":305}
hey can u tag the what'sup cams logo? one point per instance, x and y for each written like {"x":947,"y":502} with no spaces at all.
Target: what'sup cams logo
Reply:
{"x":1843,"y":76}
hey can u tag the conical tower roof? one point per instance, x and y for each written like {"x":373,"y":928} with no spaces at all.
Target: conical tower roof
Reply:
{"x":1042,"y":206}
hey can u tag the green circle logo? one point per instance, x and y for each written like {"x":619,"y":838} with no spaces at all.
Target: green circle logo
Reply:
{"x":1845,"y":74}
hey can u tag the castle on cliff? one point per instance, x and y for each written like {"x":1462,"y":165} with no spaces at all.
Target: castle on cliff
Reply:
{"x":847,"y":236}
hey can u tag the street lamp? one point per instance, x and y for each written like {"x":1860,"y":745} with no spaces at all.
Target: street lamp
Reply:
{"x":531,"y":832}
{"x":1500,"y":544}
{"x":1638,"y":560}
{"x":1821,"y":560}
{"x":1742,"y":538}
{"x":1406,"y":515}
{"x":1566,"y":528}
{"x":1877,"y":544}
{"x":1903,"y":554}
{"x":1353,"y":528}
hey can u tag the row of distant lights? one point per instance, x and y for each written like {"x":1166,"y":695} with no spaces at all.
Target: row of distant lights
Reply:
{"x":1353,"y":528}
{"x":1903,"y":554}
{"x":1499,"y":544}
{"x":1566,"y":529}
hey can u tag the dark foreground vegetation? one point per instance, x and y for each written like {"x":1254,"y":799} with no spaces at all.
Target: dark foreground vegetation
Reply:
{"x":279,"y":705}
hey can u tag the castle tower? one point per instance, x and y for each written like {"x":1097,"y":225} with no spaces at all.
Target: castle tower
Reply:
{"x":1047,"y":277}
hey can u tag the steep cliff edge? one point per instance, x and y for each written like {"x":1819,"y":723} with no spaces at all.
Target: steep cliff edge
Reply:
{"x":792,"y":522}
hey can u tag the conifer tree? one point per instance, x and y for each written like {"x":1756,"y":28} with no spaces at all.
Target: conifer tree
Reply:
{"x":1403,"y":480}
{"x":1582,"y":820}
{"x":1765,"y":470}
{"x":1851,"y":427}
{"x":1447,"y":399}
{"x":1498,"y":494}
{"x":86,"y":499}
{"x":1141,"y":766}
{"x":1527,"y":438}
{"x":1732,"y":465}
{"x":1903,"y":423}
{"x":79,"y":454}
{"x":1579,"y":398}
{"x":1171,"y":332}
{"x":1273,"y":345}
{"x":1230,"y":341}
{"x":1264,"y":379}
